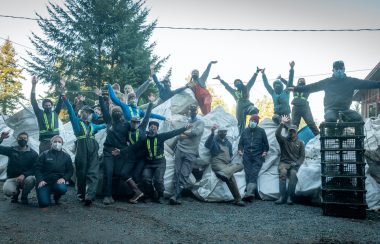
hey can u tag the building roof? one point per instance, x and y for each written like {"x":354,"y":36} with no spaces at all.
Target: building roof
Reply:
{"x":373,"y":75}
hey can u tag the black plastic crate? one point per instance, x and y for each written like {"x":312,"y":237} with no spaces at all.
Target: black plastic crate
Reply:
{"x":345,"y":210}
{"x":342,"y":143}
{"x":343,"y":169}
{"x":344,"y":197}
{"x":343,"y":183}
{"x":346,"y":156}
{"x":329,"y":129}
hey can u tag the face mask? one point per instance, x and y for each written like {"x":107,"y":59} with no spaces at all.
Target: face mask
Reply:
{"x":133,"y":103}
{"x":56,"y":146}
{"x":339,"y":73}
{"x":222,"y":135}
{"x":152,"y":132}
{"x":47,"y":110}
{"x":194,"y":76}
{"x":252,"y":124}
{"x":239,"y":86}
{"x":22,"y":143}
{"x":95,"y":116}
{"x":134,"y":125}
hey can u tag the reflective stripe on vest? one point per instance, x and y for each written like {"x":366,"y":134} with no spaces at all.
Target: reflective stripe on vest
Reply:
{"x":51,"y":127}
{"x":299,"y":95}
{"x":132,"y":113}
{"x":137,"y":137}
{"x":90,"y":135}
{"x":239,"y":95}
{"x":154,"y":154}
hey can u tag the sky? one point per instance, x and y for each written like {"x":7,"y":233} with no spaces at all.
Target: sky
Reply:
{"x":238,"y":53}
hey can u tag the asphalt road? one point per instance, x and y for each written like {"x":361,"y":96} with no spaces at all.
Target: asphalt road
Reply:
{"x":192,"y":222}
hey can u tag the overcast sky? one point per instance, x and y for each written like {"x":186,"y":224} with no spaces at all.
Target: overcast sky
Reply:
{"x":238,"y":53}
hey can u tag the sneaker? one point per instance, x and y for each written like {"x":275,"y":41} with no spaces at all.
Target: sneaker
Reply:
{"x":108,"y":200}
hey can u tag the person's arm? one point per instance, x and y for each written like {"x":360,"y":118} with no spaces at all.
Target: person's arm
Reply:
{"x":58,"y":107}
{"x":265,"y":142}
{"x":98,"y":127}
{"x":7,"y":151}
{"x":145,"y":121}
{"x":39,"y":166}
{"x":229,"y":88}
{"x":157,"y":82}
{"x":33,"y":100}
{"x":266,"y":84}
{"x":302,"y":154}
{"x":69,"y":169}
{"x":167,"y":135}
{"x":114,"y":97}
{"x":196,"y":130}
{"x":105,"y":110}
{"x":73,"y":118}
{"x":251,"y":82}
{"x":365,"y":84}
{"x":210,"y":141}
{"x":285,"y":82}
{"x":204,"y":76}
{"x":315,"y":87}
{"x":155,"y":116}
{"x":179,"y":90}
{"x":291,"y":78}
{"x":142,"y":88}
{"x":241,"y":142}
{"x":279,"y":137}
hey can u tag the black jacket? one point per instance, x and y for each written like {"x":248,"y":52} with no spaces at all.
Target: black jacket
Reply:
{"x":20,"y":162}
{"x":53,"y":165}
{"x":150,"y":150}
{"x":253,"y":141}
{"x":338,"y":92}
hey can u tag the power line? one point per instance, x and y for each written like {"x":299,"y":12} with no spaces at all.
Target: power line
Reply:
{"x":6,"y":39}
{"x":225,"y":29}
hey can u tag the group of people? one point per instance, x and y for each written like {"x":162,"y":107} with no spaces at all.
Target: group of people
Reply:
{"x":133,"y":151}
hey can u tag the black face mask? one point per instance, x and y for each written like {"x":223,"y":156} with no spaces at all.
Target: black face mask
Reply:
{"x":195,"y":77}
{"x":222,"y":135}
{"x":152,"y":132}
{"x":22,"y":143}
{"x":47,"y":110}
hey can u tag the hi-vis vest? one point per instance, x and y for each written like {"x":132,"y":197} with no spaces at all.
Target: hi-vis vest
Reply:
{"x":153,"y":155}
{"x":137,"y":137}
{"x":132,"y":113}
{"x":49,"y":128}
{"x":86,"y":134}
{"x":299,"y":95}
{"x":239,"y":95}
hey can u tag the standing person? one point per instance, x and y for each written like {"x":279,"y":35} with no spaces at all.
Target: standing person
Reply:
{"x":154,"y":170}
{"x":47,"y":118}
{"x":254,"y":147}
{"x":133,"y":154}
{"x":20,"y":169}
{"x":292,"y":156}
{"x":279,"y":95}
{"x":54,"y":169}
{"x":339,"y":91}
{"x":186,"y":154}
{"x":301,"y":109}
{"x":86,"y":156}
{"x":221,"y":155}
{"x":201,"y":93}
{"x":130,"y":110}
{"x":244,"y":107}
{"x":164,"y":88}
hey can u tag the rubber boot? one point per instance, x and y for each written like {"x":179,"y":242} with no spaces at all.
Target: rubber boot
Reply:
{"x":282,"y":198}
{"x":231,"y":183}
{"x":138,"y":194}
{"x":291,"y":187}
{"x":250,"y":192}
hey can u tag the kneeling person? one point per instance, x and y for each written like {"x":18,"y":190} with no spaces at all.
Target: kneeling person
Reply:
{"x":155,"y":165}
{"x":221,"y":154}
{"x":54,"y":169}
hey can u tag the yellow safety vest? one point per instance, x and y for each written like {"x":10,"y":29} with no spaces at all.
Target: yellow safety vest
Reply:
{"x":89,"y":135}
{"x":153,"y":155}
{"x":47,"y":126}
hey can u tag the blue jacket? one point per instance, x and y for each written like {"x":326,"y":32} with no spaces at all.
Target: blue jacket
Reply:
{"x":213,"y":144}
{"x":76,"y":122}
{"x":281,"y":99}
{"x":130,"y":111}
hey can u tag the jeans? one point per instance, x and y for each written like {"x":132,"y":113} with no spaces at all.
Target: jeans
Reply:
{"x":43,"y":193}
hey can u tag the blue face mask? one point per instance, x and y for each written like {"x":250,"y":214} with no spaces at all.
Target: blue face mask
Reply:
{"x":252,"y":124}
{"x":239,"y":86}
{"x":339,"y":74}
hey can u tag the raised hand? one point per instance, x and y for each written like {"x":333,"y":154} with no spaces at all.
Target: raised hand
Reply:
{"x":4,"y":135}
{"x":262,"y":71}
{"x":258,"y":69}
{"x":292,"y":64}
{"x":151,"y":97}
{"x":98,"y":92}
{"x":213,"y":62}
{"x":285,"y":119}
{"x":217,"y":78}
{"x":214,"y":127}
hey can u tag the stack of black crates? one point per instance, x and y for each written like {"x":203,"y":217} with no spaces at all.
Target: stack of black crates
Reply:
{"x":343,"y":169}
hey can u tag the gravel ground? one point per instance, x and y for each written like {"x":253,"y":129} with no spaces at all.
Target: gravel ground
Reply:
{"x":192,"y":222}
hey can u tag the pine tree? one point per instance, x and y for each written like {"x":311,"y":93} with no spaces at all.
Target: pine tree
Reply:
{"x":91,"y":41}
{"x":10,"y":79}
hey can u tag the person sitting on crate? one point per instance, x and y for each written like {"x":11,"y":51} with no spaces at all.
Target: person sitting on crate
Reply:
{"x":292,"y":156}
{"x":339,"y":91}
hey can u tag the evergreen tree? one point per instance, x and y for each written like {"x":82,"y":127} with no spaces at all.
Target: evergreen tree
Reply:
{"x":90,"y":41}
{"x":10,"y":79}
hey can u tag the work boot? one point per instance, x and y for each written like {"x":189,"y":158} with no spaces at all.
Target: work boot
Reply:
{"x":231,"y":183}
{"x":108,"y":200}
{"x":292,"y":186}
{"x":138,"y":193}
{"x":56,"y":199}
{"x":157,"y":197}
{"x":282,"y":198}
{"x":24,"y":200}
{"x":14,"y":199}
{"x":174,"y":201}
{"x":250,"y":192}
